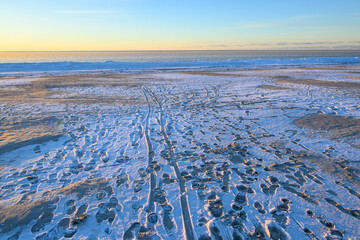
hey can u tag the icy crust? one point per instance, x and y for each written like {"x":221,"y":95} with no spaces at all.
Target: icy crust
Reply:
{"x":54,"y":67}
{"x":194,"y":156}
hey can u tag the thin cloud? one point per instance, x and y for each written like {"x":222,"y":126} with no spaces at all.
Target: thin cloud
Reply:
{"x":350,"y":47}
{"x":303,"y":43}
{"x":291,"y":21}
{"x":85,"y":12}
{"x":252,"y":26}
{"x":248,"y":26}
{"x":319,"y":43}
{"x":296,"y":45}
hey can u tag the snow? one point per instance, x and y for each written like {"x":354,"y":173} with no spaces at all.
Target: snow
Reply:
{"x":195,"y":125}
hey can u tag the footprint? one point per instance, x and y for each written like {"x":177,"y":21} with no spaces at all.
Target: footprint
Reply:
{"x":351,"y":212}
{"x":45,"y":218}
{"x":298,"y":178}
{"x":142,"y":173}
{"x":71,"y":210}
{"x":152,"y":219}
{"x":349,"y":189}
{"x":80,"y":215}
{"x":245,"y":189}
{"x":284,"y":207}
{"x":60,"y":230}
{"x":122,"y":179}
{"x":132,"y":231}
{"x":215,"y":231}
{"x":280,"y":217}
{"x":160,"y":196}
{"x":314,"y":179}
{"x":277,"y":232}
{"x":264,"y":188}
{"x":37,"y":149}
{"x":260,"y":208}
{"x":216,"y":208}
{"x":145,"y":233}
{"x":168,"y":220}
{"x":104,"y":214}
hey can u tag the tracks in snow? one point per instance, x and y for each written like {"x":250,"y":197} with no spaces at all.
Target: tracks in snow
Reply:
{"x":150,"y":153}
{"x":187,"y":221}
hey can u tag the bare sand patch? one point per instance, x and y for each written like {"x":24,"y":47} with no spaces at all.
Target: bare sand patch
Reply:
{"x":338,"y":126}
{"x":272,"y":87}
{"x":50,"y":89}
{"x":337,"y":168}
{"x":27,"y":131}
{"x":213,"y":74}
{"x":87,"y":80}
{"x":23,"y":214}
{"x":83,"y":188}
{"x":320,"y":83}
{"x":353,"y":77}
{"x":339,"y":67}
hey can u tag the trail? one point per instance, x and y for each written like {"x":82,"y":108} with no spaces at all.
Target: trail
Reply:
{"x":188,"y":225}
{"x":150,"y":155}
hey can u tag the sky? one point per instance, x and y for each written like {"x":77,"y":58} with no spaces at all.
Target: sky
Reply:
{"x":109,"y":25}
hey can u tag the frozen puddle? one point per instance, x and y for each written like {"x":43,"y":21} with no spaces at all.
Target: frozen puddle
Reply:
{"x":183,"y":155}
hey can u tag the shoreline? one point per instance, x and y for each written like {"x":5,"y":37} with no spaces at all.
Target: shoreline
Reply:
{"x":200,"y":70}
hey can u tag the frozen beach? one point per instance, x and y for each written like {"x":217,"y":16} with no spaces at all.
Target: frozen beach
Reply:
{"x":189,"y":153}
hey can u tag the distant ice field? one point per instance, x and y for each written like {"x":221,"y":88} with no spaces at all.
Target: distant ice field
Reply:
{"x":35,"y":62}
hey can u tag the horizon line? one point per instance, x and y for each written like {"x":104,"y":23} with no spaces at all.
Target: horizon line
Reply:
{"x":182,"y":50}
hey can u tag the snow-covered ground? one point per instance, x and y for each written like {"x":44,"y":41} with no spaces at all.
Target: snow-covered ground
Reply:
{"x":179,"y":155}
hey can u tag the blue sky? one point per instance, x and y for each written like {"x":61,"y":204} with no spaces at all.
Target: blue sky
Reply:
{"x":166,"y":25}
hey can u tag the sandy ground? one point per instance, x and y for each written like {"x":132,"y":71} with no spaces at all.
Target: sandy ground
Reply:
{"x":339,"y":126}
{"x":321,"y":83}
{"x":58,"y":89}
{"x":19,"y":132}
{"x":241,"y":154}
{"x":272,"y":87}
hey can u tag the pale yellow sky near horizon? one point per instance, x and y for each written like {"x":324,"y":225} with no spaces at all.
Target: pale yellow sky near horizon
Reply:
{"x":82,"y":45}
{"x":116,"y":25}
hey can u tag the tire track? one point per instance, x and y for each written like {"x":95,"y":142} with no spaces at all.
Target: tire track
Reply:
{"x":188,"y":225}
{"x":146,"y":133}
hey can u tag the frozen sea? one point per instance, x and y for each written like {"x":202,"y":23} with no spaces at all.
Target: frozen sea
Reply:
{"x":137,"y":61}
